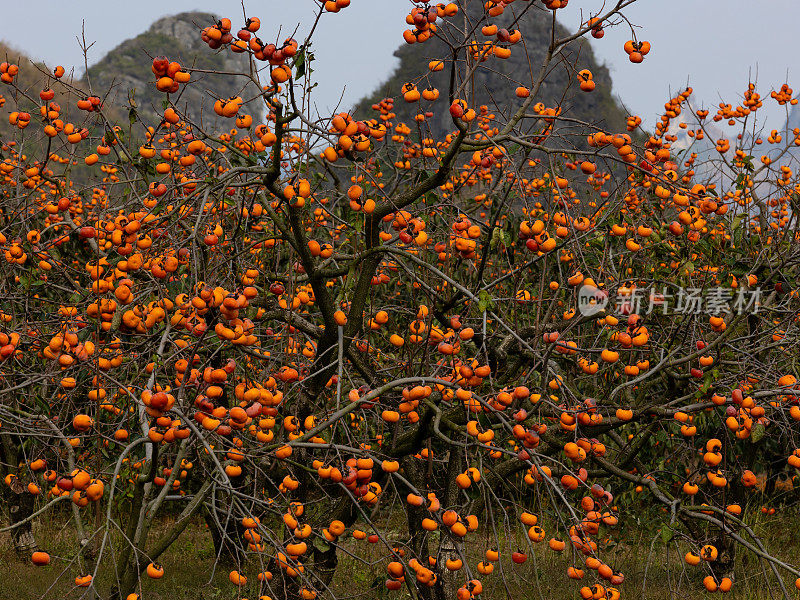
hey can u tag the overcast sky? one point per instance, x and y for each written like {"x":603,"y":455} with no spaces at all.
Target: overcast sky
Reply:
{"x":713,"y":45}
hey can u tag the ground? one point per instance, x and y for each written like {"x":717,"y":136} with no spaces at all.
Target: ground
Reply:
{"x":651,"y":561}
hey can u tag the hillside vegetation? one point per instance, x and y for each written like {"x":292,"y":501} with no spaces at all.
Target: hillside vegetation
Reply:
{"x":126,"y":72}
{"x":495,"y":86}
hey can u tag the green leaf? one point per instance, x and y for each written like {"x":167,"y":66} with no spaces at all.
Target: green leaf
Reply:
{"x":666,"y":535}
{"x":320,"y":544}
{"x":706,"y":383}
{"x":496,"y":238}
{"x":485,"y":301}
{"x":757,"y":432}
{"x":738,"y":234}
{"x":300,"y":63}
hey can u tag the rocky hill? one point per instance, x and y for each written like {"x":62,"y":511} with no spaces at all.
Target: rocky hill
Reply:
{"x":126,"y":70}
{"x":495,"y":85}
{"x":32,"y":77}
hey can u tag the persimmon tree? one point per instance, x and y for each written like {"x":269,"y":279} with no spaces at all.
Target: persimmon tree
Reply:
{"x":330,"y":336}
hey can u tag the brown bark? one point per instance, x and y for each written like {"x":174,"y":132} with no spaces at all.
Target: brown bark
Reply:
{"x":20,"y":503}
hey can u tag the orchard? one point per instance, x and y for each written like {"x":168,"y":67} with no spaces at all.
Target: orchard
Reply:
{"x":359,"y":359}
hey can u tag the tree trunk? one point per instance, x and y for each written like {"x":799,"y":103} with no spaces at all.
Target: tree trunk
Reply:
{"x":21,"y":506}
{"x":726,"y":558}
{"x":19,"y":501}
{"x":414,"y":516}
{"x":225,"y":533}
{"x":449,"y":548}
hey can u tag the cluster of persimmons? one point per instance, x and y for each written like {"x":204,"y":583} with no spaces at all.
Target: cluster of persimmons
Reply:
{"x":340,"y":336}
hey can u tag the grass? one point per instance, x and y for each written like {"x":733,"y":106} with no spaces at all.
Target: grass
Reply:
{"x":189,"y":565}
{"x":652,"y":564}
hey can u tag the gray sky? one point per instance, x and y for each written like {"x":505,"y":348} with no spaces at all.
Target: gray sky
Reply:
{"x":713,"y":45}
